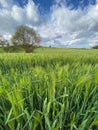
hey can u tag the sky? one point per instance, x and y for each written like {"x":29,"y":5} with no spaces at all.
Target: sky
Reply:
{"x":60,"y":23}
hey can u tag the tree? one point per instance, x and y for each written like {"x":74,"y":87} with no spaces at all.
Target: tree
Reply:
{"x":26,"y":36}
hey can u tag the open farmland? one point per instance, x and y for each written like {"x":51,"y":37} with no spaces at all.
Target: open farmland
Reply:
{"x":50,"y":89}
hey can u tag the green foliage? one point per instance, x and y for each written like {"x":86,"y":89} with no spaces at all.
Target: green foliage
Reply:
{"x":18,"y":49}
{"x":12,"y":49}
{"x":27,"y":48}
{"x":95,"y":47}
{"x":49,"y":91}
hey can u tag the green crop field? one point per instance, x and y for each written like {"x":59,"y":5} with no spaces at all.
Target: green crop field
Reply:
{"x":50,"y":89}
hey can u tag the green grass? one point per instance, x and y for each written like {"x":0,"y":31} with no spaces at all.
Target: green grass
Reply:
{"x":50,"y":89}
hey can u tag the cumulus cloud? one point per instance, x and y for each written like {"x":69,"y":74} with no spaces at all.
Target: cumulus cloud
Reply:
{"x":73,"y":28}
{"x":64,"y":27}
{"x":6,"y":3}
{"x":14,"y":16}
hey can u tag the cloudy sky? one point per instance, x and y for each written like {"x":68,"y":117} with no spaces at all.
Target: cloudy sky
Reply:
{"x":61,"y":23}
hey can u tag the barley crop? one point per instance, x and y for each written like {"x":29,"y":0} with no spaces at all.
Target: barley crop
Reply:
{"x":51,"y":89}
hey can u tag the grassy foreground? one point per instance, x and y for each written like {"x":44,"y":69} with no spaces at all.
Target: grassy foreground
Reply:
{"x":50,"y":89}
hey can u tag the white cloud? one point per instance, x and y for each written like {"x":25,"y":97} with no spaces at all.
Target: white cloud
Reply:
{"x":6,"y":3}
{"x":64,"y":27}
{"x":32,"y":12}
{"x":70,"y":27}
{"x":15,"y":16}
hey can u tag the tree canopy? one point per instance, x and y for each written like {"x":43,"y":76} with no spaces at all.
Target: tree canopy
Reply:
{"x":25,"y":35}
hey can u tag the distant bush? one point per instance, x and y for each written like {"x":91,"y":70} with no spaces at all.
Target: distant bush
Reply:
{"x":95,"y":47}
{"x":15,"y":49}
{"x":19,"y":48}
